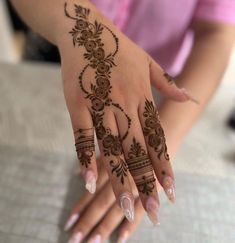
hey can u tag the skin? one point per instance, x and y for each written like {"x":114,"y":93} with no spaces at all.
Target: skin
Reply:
{"x":213,"y":42}
{"x":123,"y":110}
{"x":211,"y":51}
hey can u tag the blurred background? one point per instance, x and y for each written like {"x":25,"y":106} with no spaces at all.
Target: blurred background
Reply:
{"x":37,"y":158}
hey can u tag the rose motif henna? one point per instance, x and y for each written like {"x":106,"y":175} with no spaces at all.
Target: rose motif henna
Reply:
{"x":138,"y":163}
{"x":88,"y":35}
{"x":153,"y":130}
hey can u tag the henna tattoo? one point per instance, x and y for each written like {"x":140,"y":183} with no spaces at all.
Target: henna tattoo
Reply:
{"x":89,"y":36}
{"x":141,"y":168}
{"x":85,"y":147}
{"x":169,"y":78}
{"x":153,"y":130}
{"x":120,"y":168}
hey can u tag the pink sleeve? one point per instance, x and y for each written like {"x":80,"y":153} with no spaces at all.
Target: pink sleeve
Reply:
{"x":216,"y":10}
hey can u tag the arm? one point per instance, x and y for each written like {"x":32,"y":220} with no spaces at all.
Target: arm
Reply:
{"x":201,"y":75}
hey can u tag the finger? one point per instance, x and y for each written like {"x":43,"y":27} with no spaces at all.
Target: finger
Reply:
{"x":166,"y":84}
{"x":85,"y":148}
{"x":139,"y":164}
{"x":113,"y":160}
{"x":85,"y":200}
{"x":126,"y":228}
{"x":156,"y":145}
{"x":94,"y":213}
{"x":107,"y":225}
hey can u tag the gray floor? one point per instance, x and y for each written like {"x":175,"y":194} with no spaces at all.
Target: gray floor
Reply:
{"x":37,"y":160}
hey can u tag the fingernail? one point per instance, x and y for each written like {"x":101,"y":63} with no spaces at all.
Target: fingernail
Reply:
{"x":127,"y":205}
{"x":123,"y":238}
{"x":189,"y":96}
{"x":152,"y":209}
{"x":76,"y":238}
{"x":71,"y":221}
{"x":169,"y":188}
{"x":90,"y":181}
{"x":96,"y":239}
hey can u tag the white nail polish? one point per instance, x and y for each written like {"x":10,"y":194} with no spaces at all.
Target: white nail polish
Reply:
{"x":152,"y":209}
{"x":90,"y":181}
{"x":127,"y":206}
{"x":71,"y":221}
{"x":169,"y":188}
{"x":189,"y":96}
{"x":123,"y":238}
{"x":76,"y":238}
{"x":96,"y":239}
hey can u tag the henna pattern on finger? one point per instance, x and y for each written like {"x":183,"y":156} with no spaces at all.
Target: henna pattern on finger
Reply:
{"x":88,"y":35}
{"x":169,"y":79}
{"x":153,"y":131}
{"x":85,"y":147}
{"x":141,"y":168}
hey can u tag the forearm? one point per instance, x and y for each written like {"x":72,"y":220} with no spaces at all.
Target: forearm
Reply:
{"x":201,"y":76}
{"x":47,"y":17}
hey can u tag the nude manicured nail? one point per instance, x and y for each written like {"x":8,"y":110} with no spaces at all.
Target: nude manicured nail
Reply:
{"x":90,"y":181}
{"x":189,"y":96}
{"x":96,"y":239}
{"x":71,"y":221}
{"x":127,"y":206}
{"x":123,"y":238}
{"x":169,"y":188}
{"x":152,"y":208}
{"x":76,"y":238}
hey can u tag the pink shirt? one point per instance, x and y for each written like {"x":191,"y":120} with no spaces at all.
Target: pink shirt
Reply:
{"x":161,"y":27}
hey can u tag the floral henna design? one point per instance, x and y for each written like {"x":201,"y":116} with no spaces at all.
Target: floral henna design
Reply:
{"x":89,"y":36}
{"x":139,"y":164}
{"x":85,"y":147}
{"x":169,"y":78}
{"x":153,"y":130}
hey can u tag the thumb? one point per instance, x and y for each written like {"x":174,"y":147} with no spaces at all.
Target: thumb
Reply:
{"x":166,"y":85}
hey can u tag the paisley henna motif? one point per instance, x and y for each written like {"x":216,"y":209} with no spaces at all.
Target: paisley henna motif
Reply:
{"x":153,"y":131}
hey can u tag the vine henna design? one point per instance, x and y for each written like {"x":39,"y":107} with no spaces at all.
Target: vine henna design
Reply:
{"x":89,"y":36}
{"x":139,"y":164}
{"x":85,"y":147}
{"x":153,"y":131}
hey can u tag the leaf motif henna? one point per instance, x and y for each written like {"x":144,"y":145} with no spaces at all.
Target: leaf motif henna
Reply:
{"x":88,"y":35}
{"x":153,"y":130}
{"x":120,"y":168}
{"x":141,"y":168}
{"x":85,"y":147}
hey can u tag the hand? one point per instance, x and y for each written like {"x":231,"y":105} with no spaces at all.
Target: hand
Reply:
{"x":98,"y":215}
{"x":107,"y":85}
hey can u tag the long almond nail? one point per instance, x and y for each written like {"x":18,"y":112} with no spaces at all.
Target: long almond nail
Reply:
{"x":169,"y":188}
{"x":123,"y":238}
{"x":71,"y":221}
{"x":96,"y":239}
{"x":152,"y":208}
{"x":127,"y":206}
{"x":189,"y":96}
{"x":76,"y":238}
{"x":90,"y":181}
